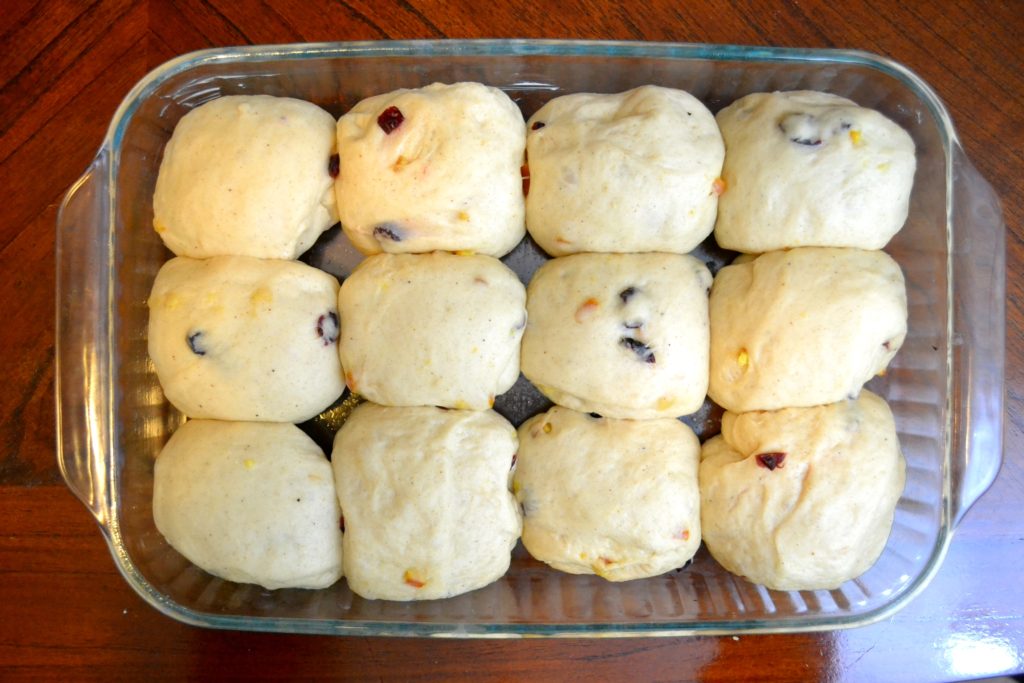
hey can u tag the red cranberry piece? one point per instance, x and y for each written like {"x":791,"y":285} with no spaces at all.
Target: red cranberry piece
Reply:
{"x":537,"y":125}
{"x":334,"y":165}
{"x":514,"y":457}
{"x":770,"y":460}
{"x":327,"y":327}
{"x":195,"y":342}
{"x":642,"y":351}
{"x":390,"y":119}
{"x":341,"y":523}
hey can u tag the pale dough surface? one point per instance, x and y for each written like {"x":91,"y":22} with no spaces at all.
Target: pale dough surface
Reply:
{"x":240,"y":338}
{"x":247,"y":175}
{"x":803,"y":327}
{"x":805,"y":168}
{"x":820,"y":517}
{"x":432,"y":329}
{"x":250,"y":502}
{"x":616,"y":498}
{"x":623,"y":335}
{"x":627,"y":172}
{"x":446,"y":177}
{"x":426,"y":499}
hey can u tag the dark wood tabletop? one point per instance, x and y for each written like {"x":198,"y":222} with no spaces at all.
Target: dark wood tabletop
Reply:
{"x":64,"y":609}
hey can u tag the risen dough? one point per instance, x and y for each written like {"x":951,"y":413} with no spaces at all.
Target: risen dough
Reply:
{"x":425,"y":494}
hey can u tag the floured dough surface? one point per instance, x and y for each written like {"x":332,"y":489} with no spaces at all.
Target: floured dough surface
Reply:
{"x":239,"y":338}
{"x":432,"y":329}
{"x":247,"y":175}
{"x":616,"y":498}
{"x":436,"y":168}
{"x":426,"y":499}
{"x":802,"y":498}
{"x":623,"y":335}
{"x":807,"y":168}
{"x":803,"y":327}
{"x":628,"y":172}
{"x":250,"y":502}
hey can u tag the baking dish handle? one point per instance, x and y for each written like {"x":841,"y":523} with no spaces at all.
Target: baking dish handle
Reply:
{"x":979,"y":339}
{"x":82,"y":359}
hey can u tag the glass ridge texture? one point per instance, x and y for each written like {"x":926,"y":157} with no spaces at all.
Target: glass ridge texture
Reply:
{"x":945,"y":386}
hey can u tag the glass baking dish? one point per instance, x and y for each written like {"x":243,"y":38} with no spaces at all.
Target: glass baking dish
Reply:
{"x":945,"y":386}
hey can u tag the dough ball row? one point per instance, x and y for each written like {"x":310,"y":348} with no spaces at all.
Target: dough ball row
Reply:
{"x":620,"y":326}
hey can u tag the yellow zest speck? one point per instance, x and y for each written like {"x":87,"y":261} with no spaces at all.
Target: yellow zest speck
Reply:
{"x":262,"y":295}
{"x":249,"y":463}
{"x":585,"y":309}
{"x":666,"y":402}
{"x":583,"y":556}
{"x":172,"y":301}
{"x":516,"y":488}
{"x":159,"y":227}
{"x":464,"y":252}
{"x":719,"y":186}
{"x":490,"y":401}
{"x":547,"y":427}
{"x":412,"y":578}
{"x":856,"y":138}
{"x":461,"y":405}
{"x":881,"y":373}
{"x":743,"y":359}
{"x":463,"y":216}
{"x":475,"y":349}
{"x":883,"y":167}
{"x":400,"y":163}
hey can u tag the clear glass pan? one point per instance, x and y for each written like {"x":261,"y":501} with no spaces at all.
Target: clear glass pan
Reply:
{"x":945,"y":387}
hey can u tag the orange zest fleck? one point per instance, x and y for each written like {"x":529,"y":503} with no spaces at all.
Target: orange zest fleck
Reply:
{"x":606,"y":561}
{"x":490,"y":401}
{"x":719,"y":186}
{"x":684,"y":535}
{"x":585,"y":309}
{"x":562,"y":240}
{"x":410,"y":578}
{"x":350,"y":381}
{"x":547,"y":428}
{"x":400,"y":163}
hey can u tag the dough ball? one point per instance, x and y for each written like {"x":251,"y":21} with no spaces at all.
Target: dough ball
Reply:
{"x":630,"y":172}
{"x":425,"y":495}
{"x":436,"y":168}
{"x":803,"y":327}
{"x":249,"y":176}
{"x":239,"y":338}
{"x":623,"y":335}
{"x":802,"y":498}
{"x":433,"y":329}
{"x":806,"y":169}
{"x":249,"y":502}
{"x":616,"y":498}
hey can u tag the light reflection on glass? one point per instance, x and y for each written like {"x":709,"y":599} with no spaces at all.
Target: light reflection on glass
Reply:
{"x":971,"y":655}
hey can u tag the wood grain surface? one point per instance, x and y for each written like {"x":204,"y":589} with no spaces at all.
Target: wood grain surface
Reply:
{"x":66,"y":613}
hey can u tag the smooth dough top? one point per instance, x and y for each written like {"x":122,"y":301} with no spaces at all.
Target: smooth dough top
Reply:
{"x":425,"y":494}
{"x":250,"y":502}
{"x":239,"y":338}
{"x":432,"y":329}
{"x":808,"y":168}
{"x":623,"y":335}
{"x":247,"y":175}
{"x":616,"y":498}
{"x":803,"y":327}
{"x":630,"y":172}
{"x":437,"y":168}
{"x":803,"y":498}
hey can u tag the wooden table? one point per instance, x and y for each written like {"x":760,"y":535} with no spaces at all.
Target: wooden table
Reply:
{"x":64,"y":610}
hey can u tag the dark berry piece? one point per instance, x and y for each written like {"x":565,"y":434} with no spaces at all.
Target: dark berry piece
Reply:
{"x":633,"y":324}
{"x":327,"y":327}
{"x":770,"y":460}
{"x":387,"y":231}
{"x":596,"y":416}
{"x":627,"y":294}
{"x":514,"y":457}
{"x":887,"y":344}
{"x":642,"y":351}
{"x":195,"y":342}
{"x":341,"y":523}
{"x":537,"y":125}
{"x":334,"y":165}
{"x":390,"y":119}
{"x":803,"y":129}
